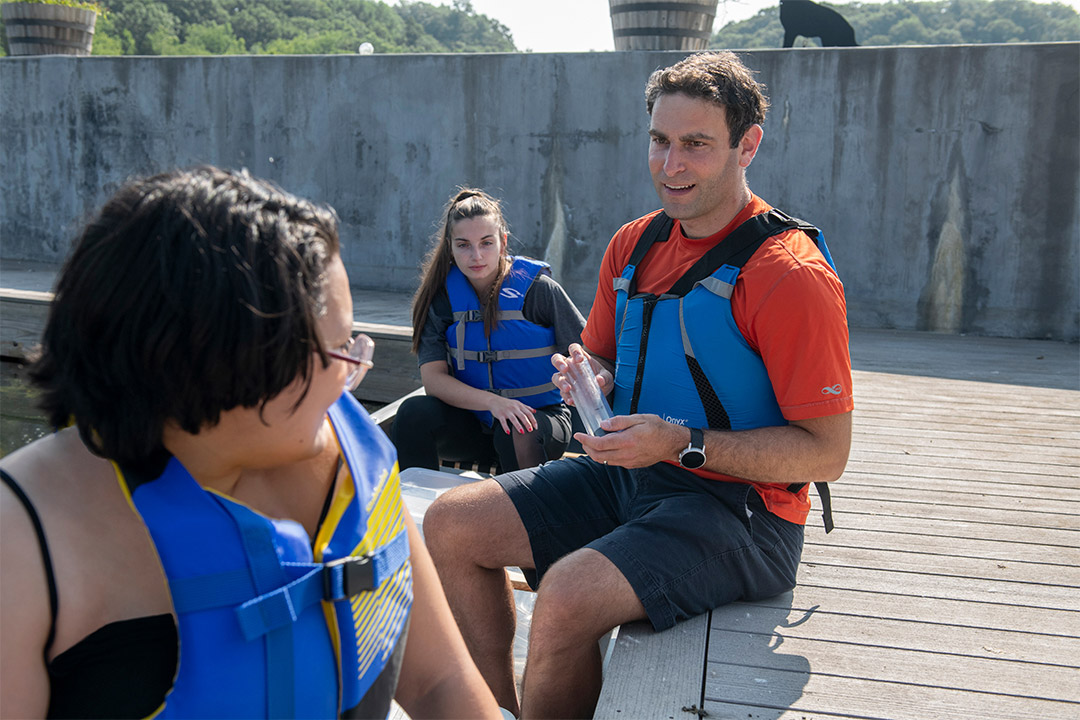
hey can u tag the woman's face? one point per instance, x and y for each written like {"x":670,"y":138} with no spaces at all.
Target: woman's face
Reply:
{"x":285,"y":432}
{"x":477,"y":244}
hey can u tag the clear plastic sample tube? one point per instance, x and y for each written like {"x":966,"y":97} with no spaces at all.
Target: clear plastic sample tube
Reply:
{"x":591,"y":404}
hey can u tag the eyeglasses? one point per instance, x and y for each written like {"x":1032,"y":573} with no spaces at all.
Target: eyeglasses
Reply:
{"x":358,"y":353}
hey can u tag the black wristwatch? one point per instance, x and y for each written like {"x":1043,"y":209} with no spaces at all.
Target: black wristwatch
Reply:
{"x":693,"y":456}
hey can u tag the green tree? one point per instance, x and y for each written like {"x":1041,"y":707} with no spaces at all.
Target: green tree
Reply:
{"x":154,"y":27}
{"x":934,"y":22}
{"x":146,"y":21}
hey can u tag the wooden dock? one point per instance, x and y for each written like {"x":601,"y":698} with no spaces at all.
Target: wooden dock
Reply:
{"x":951,"y":586}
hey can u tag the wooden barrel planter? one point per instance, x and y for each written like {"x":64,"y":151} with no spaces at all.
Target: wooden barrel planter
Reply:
{"x":43,"y":29}
{"x":662,"y":24}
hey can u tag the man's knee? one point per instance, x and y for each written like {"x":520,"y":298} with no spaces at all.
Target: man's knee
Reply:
{"x":476,"y":523}
{"x":582,"y":597}
{"x":445,"y":524}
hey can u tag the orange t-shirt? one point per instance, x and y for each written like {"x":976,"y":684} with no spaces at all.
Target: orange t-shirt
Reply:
{"x":788,"y":303}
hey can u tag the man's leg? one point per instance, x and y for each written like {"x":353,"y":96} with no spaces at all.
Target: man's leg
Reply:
{"x":581,"y":597}
{"x":472,"y":533}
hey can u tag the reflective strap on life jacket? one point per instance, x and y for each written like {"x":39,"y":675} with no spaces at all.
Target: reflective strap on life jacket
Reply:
{"x":490,"y":356}
{"x":523,"y":392}
{"x":717,"y":287}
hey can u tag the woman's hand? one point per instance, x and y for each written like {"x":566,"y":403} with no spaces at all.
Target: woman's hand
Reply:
{"x":512,"y":414}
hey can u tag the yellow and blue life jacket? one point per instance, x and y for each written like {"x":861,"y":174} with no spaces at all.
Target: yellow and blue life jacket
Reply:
{"x":270,"y":626}
{"x":515,"y":361}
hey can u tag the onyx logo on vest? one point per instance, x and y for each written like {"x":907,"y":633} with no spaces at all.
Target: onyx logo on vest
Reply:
{"x":675,"y":421}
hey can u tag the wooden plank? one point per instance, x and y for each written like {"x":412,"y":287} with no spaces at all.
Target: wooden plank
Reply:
{"x":654,"y":675}
{"x":975,"y":590}
{"x":22,"y":318}
{"x":943,"y":546}
{"x":888,"y":427}
{"x":871,"y":420}
{"x":941,"y":668}
{"x":959,"y":493}
{"x":921,"y":608}
{"x":929,"y":393}
{"x":877,"y":466}
{"x":1046,"y":464}
{"x":978,"y":444}
{"x":1016,"y":517}
{"x":852,"y":626}
{"x":1055,"y":538}
{"x":805,"y":694}
{"x":1062,"y":574}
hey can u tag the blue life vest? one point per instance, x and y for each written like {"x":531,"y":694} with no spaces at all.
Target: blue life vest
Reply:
{"x":680,"y":355}
{"x":268,"y":627}
{"x":515,"y":362}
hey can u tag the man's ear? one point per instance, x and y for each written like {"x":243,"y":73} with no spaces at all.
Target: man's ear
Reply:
{"x":748,"y":146}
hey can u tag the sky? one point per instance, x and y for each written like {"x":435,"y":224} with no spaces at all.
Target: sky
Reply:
{"x":583,"y":25}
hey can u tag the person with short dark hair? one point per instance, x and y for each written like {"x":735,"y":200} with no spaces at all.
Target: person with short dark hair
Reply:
{"x":216,"y":528}
{"x":485,"y":325}
{"x":719,"y":331}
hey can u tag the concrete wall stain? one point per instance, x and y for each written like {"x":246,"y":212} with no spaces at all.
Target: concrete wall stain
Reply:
{"x":946,"y":179}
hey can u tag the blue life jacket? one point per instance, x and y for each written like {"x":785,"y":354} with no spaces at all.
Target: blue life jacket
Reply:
{"x":515,"y":362}
{"x":680,"y":355}
{"x":268,"y":627}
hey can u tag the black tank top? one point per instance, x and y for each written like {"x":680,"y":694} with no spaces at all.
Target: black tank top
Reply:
{"x":121,"y":670}
{"x":125,"y":669}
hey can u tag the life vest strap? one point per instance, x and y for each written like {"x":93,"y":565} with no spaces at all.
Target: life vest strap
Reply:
{"x":333,"y":581}
{"x":826,"y":501}
{"x":491,"y":356}
{"x":522,"y":392}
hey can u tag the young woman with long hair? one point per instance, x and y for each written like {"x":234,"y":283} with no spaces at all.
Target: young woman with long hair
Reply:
{"x":485,"y":324}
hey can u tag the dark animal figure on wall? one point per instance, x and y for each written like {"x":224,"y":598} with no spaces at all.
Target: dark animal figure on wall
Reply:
{"x":807,"y":18}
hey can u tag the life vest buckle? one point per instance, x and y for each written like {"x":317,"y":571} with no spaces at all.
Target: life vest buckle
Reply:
{"x":347,"y":577}
{"x":488,"y":356}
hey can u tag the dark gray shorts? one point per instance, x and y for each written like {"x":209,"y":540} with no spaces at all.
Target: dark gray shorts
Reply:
{"x":685,"y":544}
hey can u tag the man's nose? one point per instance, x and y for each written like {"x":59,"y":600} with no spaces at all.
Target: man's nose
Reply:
{"x":673,"y":161}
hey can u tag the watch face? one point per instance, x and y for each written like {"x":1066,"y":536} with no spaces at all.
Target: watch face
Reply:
{"x":691,"y":458}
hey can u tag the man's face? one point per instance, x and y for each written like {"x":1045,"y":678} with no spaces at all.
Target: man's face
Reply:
{"x":697,"y":174}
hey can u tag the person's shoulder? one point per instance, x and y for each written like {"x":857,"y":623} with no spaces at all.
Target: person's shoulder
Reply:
{"x":788,"y":250}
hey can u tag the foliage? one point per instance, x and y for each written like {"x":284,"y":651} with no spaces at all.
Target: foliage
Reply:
{"x":221,"y":27}
{"x":80,"y":4}
{"x":938,"y":22}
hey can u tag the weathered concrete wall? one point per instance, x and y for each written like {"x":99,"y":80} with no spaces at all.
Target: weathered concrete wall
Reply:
{"x":945,"y":178}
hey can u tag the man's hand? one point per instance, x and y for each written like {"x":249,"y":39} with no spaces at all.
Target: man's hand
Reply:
{"x":635,"y":441}
{"x":604,"y":377}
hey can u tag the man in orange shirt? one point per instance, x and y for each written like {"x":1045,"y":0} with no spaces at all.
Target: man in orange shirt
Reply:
{"x":719,"y":327}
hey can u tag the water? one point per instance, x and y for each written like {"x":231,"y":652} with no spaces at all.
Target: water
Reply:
{"x":21,"y":422}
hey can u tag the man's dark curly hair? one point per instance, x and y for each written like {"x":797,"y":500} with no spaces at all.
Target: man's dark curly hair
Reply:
{"x":718,"y":77}
{"x":191,"y":293}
